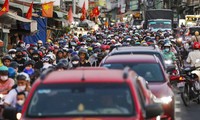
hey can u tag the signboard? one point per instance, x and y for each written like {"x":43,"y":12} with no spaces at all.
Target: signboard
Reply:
{"x":102,"y":3}
{"x":111,"y":4}
{"x":133,"y":5}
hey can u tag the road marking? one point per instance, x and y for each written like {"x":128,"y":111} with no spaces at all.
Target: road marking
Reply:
{"x":177,"y":102}
{"x":178,"y":118}
{"x":177,"y":110}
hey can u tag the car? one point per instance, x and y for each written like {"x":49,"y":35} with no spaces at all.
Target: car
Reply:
{"x":150,"y":50}
{"x":151,"y":69}
{"x":90,"y":94}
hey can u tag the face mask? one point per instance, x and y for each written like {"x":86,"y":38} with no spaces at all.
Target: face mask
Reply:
{"x":20,"y":102}
{"x":4,"y":78}
{"x":39,"y":45}
{"x":21,"y":88}
{"x":166,"y":49}
{"x":18,"y":56}
{"x":22,"y":45}
{"x":12,"y":55}
{"x":75,"y":63}
{"x":36,"y":58}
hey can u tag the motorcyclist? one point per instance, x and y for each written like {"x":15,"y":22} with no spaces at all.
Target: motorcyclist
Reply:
{"x":19,"y":59}
{"x":167,"y":53}
{"x":37,"y":58}
{"x":39,"y":44}
{"x":196,"y":37}
{"x":7,"y":60}
{"x":83,"y":57}
{"x":194,"y":55}
{"x":6,"y":83}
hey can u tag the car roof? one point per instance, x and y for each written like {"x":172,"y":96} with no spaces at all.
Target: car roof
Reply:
{"x":78,"y":76}
{"x":140,"y":58}
{"x":134,"y":49}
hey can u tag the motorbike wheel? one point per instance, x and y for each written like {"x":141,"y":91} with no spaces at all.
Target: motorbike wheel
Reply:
{"x":185,"y":96}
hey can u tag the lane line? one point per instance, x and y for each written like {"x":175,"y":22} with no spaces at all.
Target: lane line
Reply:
{"x":177,"y":110}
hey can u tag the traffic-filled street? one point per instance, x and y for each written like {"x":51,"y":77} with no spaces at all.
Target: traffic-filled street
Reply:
{"x":99,"y":60}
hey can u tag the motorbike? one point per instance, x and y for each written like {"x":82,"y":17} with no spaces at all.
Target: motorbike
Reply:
{"x":189,"y":86}
{"x":172,"y":68}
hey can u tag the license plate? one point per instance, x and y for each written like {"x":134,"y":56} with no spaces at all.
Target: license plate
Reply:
{"x":181,"y":84}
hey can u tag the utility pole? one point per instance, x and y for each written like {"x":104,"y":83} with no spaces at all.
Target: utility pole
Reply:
{"x":74,"y":6}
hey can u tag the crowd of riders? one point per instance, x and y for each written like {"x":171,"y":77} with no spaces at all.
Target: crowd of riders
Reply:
{"x":24,"y":63}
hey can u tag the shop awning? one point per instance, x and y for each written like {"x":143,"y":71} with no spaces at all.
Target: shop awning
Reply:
{"x":17,"y":17}
{"x":23,"y":8}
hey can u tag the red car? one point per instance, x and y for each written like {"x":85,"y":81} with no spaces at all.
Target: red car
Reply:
{"x":85,"y":94}
{"x":151,"y":69}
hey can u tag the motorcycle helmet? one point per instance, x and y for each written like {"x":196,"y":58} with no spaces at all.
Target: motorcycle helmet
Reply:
{"x":3,"y":70}
{"x":14,"y":64}
{"x":7,"y":57}
{"x":23,"y":76}
{"x":196,"y":45}
{"x":11,"y":72}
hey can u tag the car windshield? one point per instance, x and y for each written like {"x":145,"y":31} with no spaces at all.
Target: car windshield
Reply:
{"x":88,"y":99}
{"x":160,"y":24}
{"x":150,"y":71}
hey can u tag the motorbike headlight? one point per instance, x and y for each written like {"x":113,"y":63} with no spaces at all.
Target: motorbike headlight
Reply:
{"x":168,"y":62}
{"x":18,"y":116}
{"x":164,"y":100}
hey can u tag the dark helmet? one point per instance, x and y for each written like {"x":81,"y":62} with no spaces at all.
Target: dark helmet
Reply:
{"x":65,"y":63}
{"x":7,"y":57}
{"x":14,"y":64}
{"x":35,"y":52}
{"x":166,"y":35}
{"x":60,"y":51}
{"x":29,"y":62}
{"x":19,"y":50}
{"x":82,"y":50}
{"x":75,"y":58}
{"x":21,"y":77}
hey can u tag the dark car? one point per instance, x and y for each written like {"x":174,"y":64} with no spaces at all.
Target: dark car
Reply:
{"x":151,"y":69}
{"x":149,"y":50}
{"x":90,"y":94}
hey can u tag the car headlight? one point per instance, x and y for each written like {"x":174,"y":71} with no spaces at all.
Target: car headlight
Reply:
{"x":164,"y":100}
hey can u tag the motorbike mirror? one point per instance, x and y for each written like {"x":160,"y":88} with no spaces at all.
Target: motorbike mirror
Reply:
{"x":9,"y":113}
{"x":153,"y":110}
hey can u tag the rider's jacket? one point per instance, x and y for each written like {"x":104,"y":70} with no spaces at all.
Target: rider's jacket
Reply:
{"x":193,"y":57}
{"x":169,"y":55}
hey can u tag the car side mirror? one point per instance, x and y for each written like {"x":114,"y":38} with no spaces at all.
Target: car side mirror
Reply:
{"x":10,"y":113}
{"x":153,"y":110}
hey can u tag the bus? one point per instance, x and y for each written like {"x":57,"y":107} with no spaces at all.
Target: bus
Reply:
{"x":192,"y":20}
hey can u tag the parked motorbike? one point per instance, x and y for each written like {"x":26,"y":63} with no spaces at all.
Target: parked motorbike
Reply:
{"x":189,"y":86}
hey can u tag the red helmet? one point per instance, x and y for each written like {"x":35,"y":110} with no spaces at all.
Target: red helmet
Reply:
{"x":196,"y":45}
{"x":103,"y":47}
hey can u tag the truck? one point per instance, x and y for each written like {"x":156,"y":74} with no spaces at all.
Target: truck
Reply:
{"x":159,"y":19}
